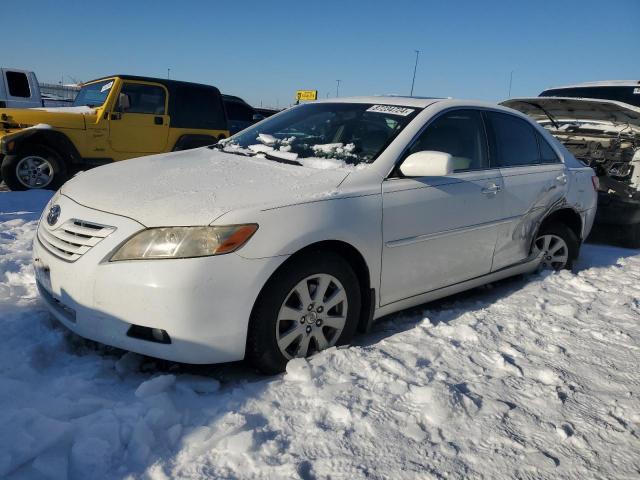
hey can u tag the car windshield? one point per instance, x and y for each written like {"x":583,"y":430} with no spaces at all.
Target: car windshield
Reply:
{"x":94,"y":94}
{"x":324,"y":135}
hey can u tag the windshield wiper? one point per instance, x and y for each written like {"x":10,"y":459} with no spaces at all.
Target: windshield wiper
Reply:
{"x":278,"y":159}
{"x":268,"y":155}
{"x":219,"y":146}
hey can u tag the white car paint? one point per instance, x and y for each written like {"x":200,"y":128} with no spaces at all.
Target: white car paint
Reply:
{"x":421,"y":238}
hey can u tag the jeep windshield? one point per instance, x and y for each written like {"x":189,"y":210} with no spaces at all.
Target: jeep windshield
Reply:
{"x":323,"y":135}
{"x":93,"y":94}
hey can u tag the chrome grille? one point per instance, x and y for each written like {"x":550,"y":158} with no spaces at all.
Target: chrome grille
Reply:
{"x":73,"y":238}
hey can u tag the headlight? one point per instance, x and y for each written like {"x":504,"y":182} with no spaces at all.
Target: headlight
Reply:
{"x":184,"y":242}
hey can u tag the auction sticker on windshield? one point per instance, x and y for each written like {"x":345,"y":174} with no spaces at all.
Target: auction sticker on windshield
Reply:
{"x":391,"y":110}
{"x":106,"y":86}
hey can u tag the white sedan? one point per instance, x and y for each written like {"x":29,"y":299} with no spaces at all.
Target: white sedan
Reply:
{"x":290,"y":236}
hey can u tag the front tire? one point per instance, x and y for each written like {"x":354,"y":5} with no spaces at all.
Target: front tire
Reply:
{"x":310,"y":304}
{"x":35,"y":167}
{"x":559,"y":246}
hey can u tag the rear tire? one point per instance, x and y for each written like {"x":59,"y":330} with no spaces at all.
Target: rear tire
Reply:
{"x":283,"y":325}
{"x":559,"y":245}
{"x":34,"y":167}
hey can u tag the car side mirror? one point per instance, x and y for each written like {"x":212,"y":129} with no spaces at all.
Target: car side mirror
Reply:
{"x":427,"y":164}
{"x":257,"y":117}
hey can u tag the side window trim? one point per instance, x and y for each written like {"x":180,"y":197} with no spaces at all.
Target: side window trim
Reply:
{"x":401,"y":158}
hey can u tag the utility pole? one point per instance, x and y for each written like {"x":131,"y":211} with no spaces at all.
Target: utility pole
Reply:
{"x":338,"y":88}
{"x":168,"y":73}
{"x":510,"y":83}
{"x":415,"y":68}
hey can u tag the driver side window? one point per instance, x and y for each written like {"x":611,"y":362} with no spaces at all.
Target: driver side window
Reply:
{"x":141,"y":98}
{"x":460,"y":133}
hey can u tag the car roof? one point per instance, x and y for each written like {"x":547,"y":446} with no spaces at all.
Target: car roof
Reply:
{"x":601,"y":83}
{"x":415,"y":102}
{"x":233,"y":98}
{"x":163,"y":81}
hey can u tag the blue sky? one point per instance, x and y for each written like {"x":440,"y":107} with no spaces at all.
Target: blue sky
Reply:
{"x":264,"y":51}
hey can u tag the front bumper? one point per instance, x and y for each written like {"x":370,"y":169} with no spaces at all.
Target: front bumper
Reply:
{"x":203,"y":304}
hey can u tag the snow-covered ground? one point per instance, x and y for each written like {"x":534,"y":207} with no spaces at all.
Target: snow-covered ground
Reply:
{"x":534,"y":377}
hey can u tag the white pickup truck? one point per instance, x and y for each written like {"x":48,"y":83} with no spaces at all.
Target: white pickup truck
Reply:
{"x":19,"y":89}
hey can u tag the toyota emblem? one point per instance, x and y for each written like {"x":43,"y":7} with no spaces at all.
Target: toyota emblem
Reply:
{"x":52,"y":216}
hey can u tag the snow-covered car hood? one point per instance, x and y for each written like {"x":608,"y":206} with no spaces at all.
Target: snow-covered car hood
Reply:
{"x":197,"y":186}
{"x":62,"y":117}
{"x":576,"y":108}
{"x":80,"y":109}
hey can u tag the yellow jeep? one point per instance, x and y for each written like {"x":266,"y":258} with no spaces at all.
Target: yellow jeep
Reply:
{"x":112,"y":118}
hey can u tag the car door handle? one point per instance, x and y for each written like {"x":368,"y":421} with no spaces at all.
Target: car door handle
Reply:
{"x":492,"y":189}
{"x":158,"y":120}
{"x":562,"y":179}
{"x":116,"y":116}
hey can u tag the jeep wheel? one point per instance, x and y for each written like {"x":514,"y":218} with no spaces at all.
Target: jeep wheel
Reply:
{"x":34,"y":167}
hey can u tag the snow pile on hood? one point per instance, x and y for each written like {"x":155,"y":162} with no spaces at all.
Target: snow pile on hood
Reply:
{"x":338,"y":151}
{"x":328,"y":156}
{"x":531,"y":378}
{"x":79,"y":109}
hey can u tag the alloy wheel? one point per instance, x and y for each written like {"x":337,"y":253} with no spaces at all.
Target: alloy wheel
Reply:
{"x":34,"y":171}
{"x":312,"y":316}
{"x":555,"y":252}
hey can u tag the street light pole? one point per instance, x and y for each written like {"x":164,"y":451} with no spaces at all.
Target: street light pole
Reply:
{"x":415,"y":68}
{"x":338,"y":88}
{"x":168,"y":73}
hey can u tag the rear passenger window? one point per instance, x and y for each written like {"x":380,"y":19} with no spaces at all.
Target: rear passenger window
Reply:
{"x":460,"y":133}
{"x":547,"y":154}
{"x":196,"y":106}
{"x":514,"y":141}
{"x":18,"y":84}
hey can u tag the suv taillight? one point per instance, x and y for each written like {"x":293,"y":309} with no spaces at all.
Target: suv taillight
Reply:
{"x":596,"y":183}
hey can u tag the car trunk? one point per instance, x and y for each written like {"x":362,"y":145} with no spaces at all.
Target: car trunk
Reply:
{"x":602,"y":133}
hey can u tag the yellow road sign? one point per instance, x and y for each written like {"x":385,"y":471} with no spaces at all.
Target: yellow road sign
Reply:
{"x":307,"y":95}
